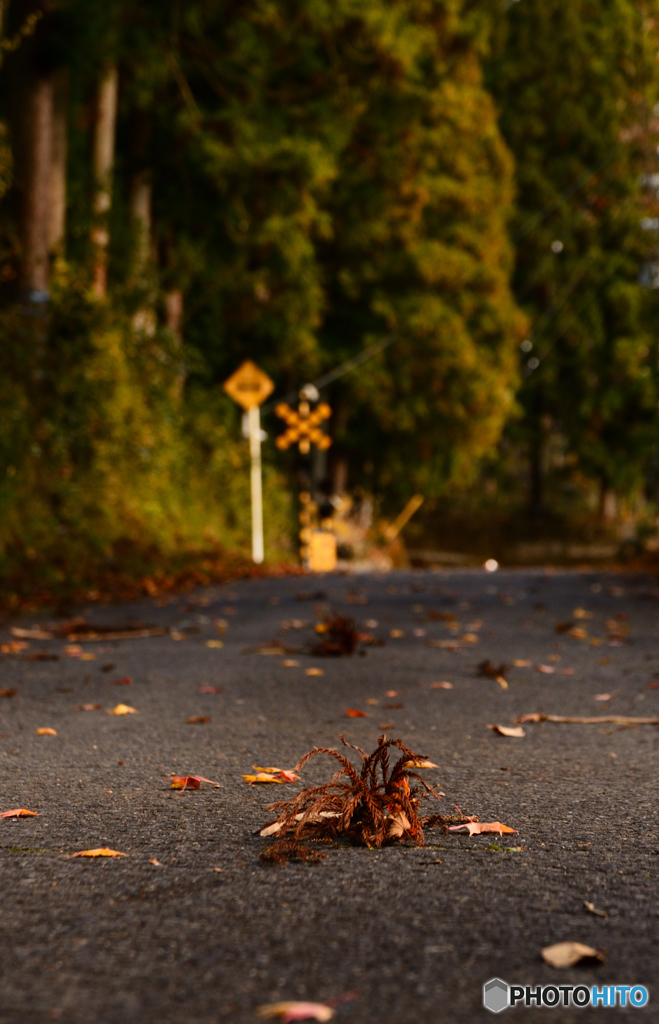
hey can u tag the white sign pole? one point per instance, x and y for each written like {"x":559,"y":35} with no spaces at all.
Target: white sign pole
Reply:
{"x":254,"y":423}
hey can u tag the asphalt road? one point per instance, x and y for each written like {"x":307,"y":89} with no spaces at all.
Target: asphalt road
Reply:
{"x":213,"y":932}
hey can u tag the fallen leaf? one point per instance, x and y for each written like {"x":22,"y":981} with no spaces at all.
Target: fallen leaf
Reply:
{"x":102,"y":851}
{"x":563,"y":627}
{"x":87,"y":656}
{"x":554,"y":657}
{"x":567,"y":671}
{"x":123,"y":709}
{"x":266,"y":775}
{"x":290,"y":663}
{"x":46,"y":732}
{"x":156,"y":863}
{"x":441,"y":686}
{"x":314,"y":672}
{"x":420,"y":764}
{"x":215,"y":643}
{"x":386,"y":725}
{"x":392,"y":707}
{"x":470,"y":638}
{"x":211,"y":689}
{"x":547,"y":669}
{"x":396,"y":634}
{"x":478,"y":827}
{"x":399,"y":825}
{"x":8,"y":691}
{"x":31,"y":634}
{"x":581,"y":613}
{"x":19,"y":812}
{"x":567,"y":954}
{"x":418,"y":632}
{"x":522,"y":663}
{"x":198,"y":719}
{"x":604,"y":661}
{"x":502,"y":682}
{"x":190,"y":782}
{"x":42,"y":656}
{"x":393,"y":693}
{"x":653,"y":686}
{"x":291,"y":1011}
{"x":592,"y":909}
{"x":507,"y":730}
{"x":372,"y":701}
{"x":124,"y":681}
{"x":355,"y":713}
{"x":490,"y":671}
{"x":89,"y":707}
{"x":577,"y":633}
{"x":444,"y":645}
{"x":73,"y":650}
{"x":604,"y":696}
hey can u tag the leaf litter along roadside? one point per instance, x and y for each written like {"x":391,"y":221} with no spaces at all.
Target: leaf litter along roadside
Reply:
{"x":375,"y":806}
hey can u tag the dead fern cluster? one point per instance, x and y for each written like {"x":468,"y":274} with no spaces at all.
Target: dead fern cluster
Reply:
{"x":283,"y":850}
{"x":371,"y":807}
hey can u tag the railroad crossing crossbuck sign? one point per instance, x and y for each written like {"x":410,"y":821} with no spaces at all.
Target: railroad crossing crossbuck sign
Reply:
{"x":303,"y":426}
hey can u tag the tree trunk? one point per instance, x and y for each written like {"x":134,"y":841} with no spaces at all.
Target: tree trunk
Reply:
{"x":536,"y":493}
{"x":37,"y":156}
{"x":608,"y":510}
{"x":103,"y":159}
{"x":140,"y":215}
{"x":59,"y":153}
{"x":174,"y":322}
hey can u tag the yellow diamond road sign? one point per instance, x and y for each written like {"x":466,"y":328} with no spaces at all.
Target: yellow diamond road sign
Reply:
{"x":249,"y":386}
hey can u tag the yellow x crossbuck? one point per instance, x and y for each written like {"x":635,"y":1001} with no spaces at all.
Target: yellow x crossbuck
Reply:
{"x":303,"y":426}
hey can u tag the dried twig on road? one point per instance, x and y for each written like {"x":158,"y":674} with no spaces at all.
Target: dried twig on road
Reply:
{"x":597,"y":720}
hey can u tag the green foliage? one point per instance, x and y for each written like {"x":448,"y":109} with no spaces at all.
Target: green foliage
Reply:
{"x":576,"y":85}
{"x":101,"y":465}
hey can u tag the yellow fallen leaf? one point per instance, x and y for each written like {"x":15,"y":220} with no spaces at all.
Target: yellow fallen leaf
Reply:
{"x":581,"y":613}
{"x":102,"y":851}
{"x":507,"y":730}
{"x":215,"y":643}
{"x":522,"y":663}
{"x":87,"y":656}
{"x":290,"y":663}
{"x":470,"y":638}
{"x":314,"y":672}
{"x":46,"y":732}
{"x":566,"y":954}
{"x":123,"y":709}
{"x":396,"y":634}
{"x":502,"y":682}
{"x":420,"y":764}
{"x":291,"y":1011}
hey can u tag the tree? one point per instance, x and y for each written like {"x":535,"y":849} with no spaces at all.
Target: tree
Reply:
{"x":576,"y":84}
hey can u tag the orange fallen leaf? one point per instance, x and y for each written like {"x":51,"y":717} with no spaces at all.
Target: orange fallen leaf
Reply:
{"x":211,"y":689}
{"x":198,"y":719}
{"x":124,"y":681}
{"x":190,"y":782}
{"x":470,"y":638}
{"x":566,"y":954}
{"x":8,"y":691}
{"x":20,"y":812}
{"x":522,"y":663}
{"x":156,"y":863}
{"x":314,"y":672}
{"x":396,"y":634}
{"x":46,"y":732}
{"x":581,"y":613}
{"x":13,"y":647}
{"x":277,"y":775}
{"x":372,"y":702}
{"x":478,"y":827}
{"x":355,"y":713}
{"x":89,"y":707}
{"x":102,"y":851}
{"x":122,"y":709}
{"x":291,"y":1011}
{"x":441,"y":686}
{"x":290,"y":663}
